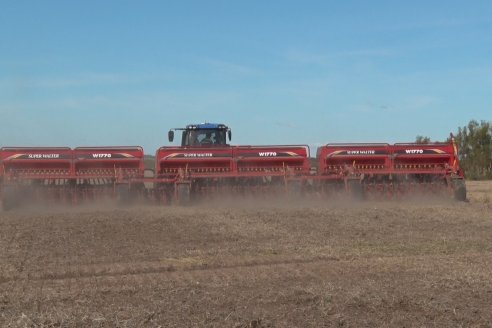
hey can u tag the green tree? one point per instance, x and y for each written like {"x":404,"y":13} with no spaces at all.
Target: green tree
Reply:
{"x":475,"y":149}
{"x":422,"y":140}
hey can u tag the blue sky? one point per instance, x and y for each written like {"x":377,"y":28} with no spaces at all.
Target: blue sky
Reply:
{"x":277,"y":72}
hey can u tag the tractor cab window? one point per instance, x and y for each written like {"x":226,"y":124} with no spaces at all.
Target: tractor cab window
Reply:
{"x":205,"y":137}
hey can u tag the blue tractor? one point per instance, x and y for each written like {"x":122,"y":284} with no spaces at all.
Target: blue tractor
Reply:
{"x":204,"y":134}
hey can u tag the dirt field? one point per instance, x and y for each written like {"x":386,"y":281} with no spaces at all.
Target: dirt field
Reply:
{"x":317,"y":265}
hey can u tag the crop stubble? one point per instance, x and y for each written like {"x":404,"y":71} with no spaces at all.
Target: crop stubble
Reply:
{"x":374,"y":264}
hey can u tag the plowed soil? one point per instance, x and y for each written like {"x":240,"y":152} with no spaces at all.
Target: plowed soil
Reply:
{"x":373,"y":264}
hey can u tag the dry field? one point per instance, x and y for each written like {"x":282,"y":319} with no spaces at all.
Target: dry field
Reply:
{"x":420,"y":264}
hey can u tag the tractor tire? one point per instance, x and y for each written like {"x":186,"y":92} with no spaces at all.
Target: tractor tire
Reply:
{"x":183,"y":193}
{"x":459,"y":188}
{"x":356,"y":190}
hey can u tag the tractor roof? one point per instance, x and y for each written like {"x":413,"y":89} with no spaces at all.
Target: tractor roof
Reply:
{"x":212,"y":126}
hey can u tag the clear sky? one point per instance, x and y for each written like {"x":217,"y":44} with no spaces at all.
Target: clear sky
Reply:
{"x":277,"y":72}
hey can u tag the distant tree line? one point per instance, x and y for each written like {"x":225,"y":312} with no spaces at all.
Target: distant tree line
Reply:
{"x":474,"y":143}
{"x":475,"y":149}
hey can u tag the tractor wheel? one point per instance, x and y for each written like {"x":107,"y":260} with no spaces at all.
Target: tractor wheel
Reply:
{"x":183,"y":194}
{"x":356,"y":190}
{"x":459,"y":190}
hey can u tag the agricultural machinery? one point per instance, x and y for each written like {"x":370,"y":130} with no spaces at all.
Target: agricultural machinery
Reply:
{"x":391,"y":171}
{"x":66,"y":175}
{"x":206,"y":166}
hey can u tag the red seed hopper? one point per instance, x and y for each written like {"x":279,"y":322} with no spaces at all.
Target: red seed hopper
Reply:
{"x":66,"y":175}
{"x":205,"y":165}
{"x":389,"y":171}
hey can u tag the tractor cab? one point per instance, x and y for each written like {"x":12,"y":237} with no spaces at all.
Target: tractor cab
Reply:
{"x":203,"y":135}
